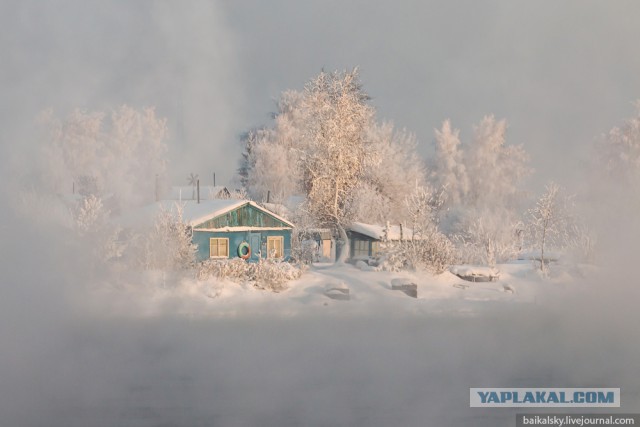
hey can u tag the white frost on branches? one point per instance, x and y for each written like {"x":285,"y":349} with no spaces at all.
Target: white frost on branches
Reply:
{"x":448,"y":169}
{"x":119,"y":153}
{"x":168,"y":244}
{"x":98,"y":235}
{"x":548,"y":223}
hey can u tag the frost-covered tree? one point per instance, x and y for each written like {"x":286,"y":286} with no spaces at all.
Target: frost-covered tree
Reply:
{"x":370,"y":205}
{"x":486,"y":238}
{"x":269,"y":164}
{"x":423,"y":206}
{"x":96,"y":234}
{"x":619,"y":152}
{"x":448,"y":168}
{"x":394,"y":170}
{"x":90,"y":214}
{"x":168,"y":244}
{"x":247,"y":142}
{"x":483,"y":214}
{"x":334,"y":162}
{"x":325,"y":146}
{"x":118,"y":153}
{"x":424,"y":246}
{"x":548,"y":223}
{"x":495,"y":169}
{"x":272,"y":176}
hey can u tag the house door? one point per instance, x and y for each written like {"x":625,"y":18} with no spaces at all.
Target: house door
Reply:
{"x":254,"y":241}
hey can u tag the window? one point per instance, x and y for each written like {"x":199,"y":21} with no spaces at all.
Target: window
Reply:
{"x":361,"y":248}
{"x":219,"y":247}
{"x":275,"y":247}
{"x":375,"y":248}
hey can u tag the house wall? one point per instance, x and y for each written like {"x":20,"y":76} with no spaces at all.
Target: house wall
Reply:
{"x":201,"y":239}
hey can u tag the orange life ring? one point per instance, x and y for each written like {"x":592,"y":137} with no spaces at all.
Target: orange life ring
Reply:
{"x":242,"y":247}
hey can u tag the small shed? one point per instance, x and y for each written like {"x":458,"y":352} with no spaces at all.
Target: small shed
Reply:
{"x":324,"y":240}
{"x":365,"y":239}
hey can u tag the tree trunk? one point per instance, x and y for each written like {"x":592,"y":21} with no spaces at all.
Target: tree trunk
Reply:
{"x":542,"y":266}
{"x":344,"y":251}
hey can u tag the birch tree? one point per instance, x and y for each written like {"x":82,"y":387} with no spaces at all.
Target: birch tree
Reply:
{"x":118,"y":153}
{"x":269,"y":162}
{"x":485,"y":221}
{"x":333,"y":164}
{"x":448,"y":169}
{"x":548,"y":223}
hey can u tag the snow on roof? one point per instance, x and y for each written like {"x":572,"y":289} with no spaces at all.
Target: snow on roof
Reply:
{"x":377,"y":231}
{"x":193,"y":213}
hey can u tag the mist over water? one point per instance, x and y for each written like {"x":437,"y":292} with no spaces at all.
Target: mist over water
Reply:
{"x":67,"y":360}
{"x":64,"y":364}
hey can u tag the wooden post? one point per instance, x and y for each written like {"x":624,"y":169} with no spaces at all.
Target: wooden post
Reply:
{"x":214,"y":179}
{"x":268,"y":195}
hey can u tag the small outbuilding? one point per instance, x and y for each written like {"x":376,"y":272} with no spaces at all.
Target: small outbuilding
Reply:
{"x":365,"y":239}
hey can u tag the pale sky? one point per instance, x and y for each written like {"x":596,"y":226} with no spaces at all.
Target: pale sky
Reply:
{"x":560,"y":73}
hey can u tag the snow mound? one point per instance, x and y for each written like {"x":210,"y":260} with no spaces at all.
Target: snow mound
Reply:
{"x":475,"y":273}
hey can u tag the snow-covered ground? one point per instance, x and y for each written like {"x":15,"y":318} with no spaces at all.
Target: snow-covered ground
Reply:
{"x":369,"y":292}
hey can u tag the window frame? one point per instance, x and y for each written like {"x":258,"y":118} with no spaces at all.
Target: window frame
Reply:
{"x":275,"y":239}
{"x":211,"y":246}
{"x":361,"y":248}
{"x":375,"y":248}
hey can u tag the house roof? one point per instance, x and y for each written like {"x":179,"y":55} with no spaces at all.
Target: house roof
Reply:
{"x":377,"y":232}
{"x":193,"y":213}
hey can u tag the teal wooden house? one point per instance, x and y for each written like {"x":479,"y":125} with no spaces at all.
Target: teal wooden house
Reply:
{"x":228,"y":228}
{"x":232,"y":228}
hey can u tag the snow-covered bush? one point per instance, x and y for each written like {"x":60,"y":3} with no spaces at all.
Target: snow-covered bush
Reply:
{"x":97,"y":235}
{"x":168,"y":244}
{"x":273,"y":275}
{"x":235,"y":269}
{"x":267,"y":274}
{"x":434,"y":253}
{"x":487,"y":240}
{"x":90,"y":215}
{"x":427,"y":247}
